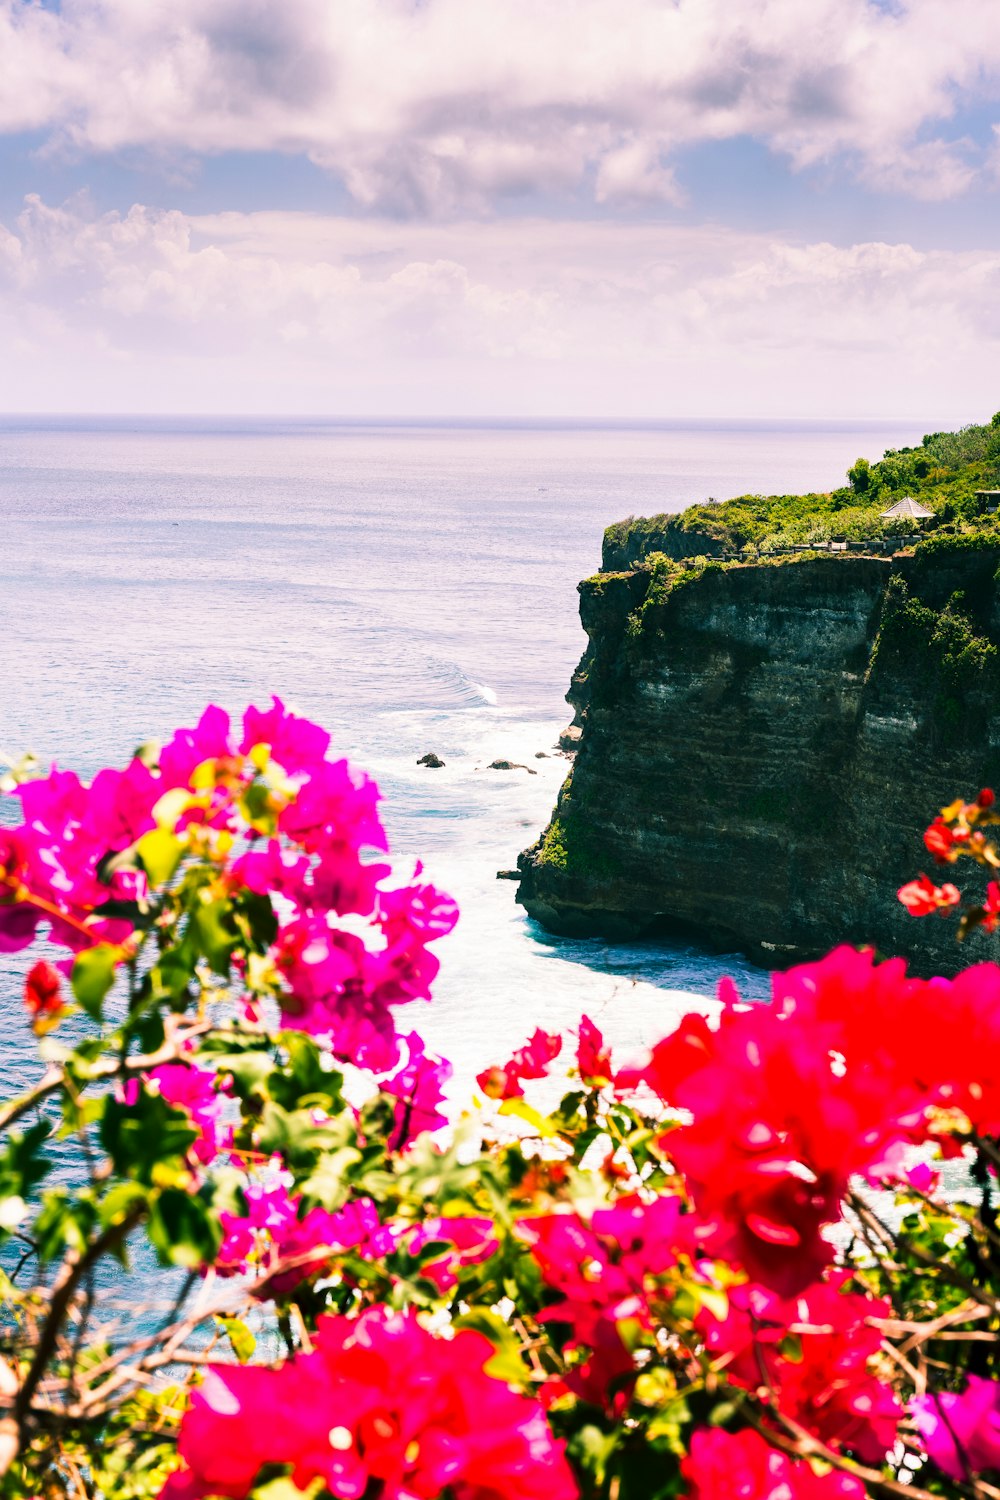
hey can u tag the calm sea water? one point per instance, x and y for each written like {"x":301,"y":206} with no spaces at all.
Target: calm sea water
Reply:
{"x":410,"y":586}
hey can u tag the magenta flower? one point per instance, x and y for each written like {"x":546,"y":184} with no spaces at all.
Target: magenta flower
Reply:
{"x":742,"y":1466}
{"x":418,"y":1087}
{"x":961,"y":1433}
{"x":296,"y":744}
{"x":336,"y":807}
{"x":470,"y":1239}
{"x":380,"y":1407}
{"x":593,"y":1055}
{"x":189,"y":748}
{"x":196,"y":1090}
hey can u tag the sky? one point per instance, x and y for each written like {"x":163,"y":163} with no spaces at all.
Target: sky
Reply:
{"x":630,"y":209}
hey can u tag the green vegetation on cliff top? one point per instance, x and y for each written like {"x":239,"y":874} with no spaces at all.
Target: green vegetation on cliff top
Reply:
{"x":943,"y":474}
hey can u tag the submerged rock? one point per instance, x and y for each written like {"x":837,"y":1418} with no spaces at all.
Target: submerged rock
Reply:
{"x":432,"y":760}
{"x":510,"y":765}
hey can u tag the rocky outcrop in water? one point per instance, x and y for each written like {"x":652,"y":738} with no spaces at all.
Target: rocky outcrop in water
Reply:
{"x":760,"y":746}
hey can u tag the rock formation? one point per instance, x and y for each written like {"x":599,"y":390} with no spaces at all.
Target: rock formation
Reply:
{"x":759,"y":747}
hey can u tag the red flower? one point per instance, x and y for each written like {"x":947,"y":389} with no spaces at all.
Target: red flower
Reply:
{"x":921,"y":897}
{"x":789,"y":1099}
{"x":607,"y":1273}
{"x":530,"y":1061}
{"x":991,"y":906}
{"x":593,"y":1055}
{"x":742,"y":1466}
{"x":986,"y":797}
{"x":382,"y":1407}
{"x":43,"y":990}
{"x":939,"y":839}
{"x":825,"y":1386}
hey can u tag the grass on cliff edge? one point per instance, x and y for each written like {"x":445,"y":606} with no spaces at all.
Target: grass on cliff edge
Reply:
{"x":943,"y":473}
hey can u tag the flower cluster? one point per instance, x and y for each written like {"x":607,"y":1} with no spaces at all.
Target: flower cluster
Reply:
{"x":652,"y":1258}
{"x":742,"y":1466}
{"x":279,"y":821}
{"x":957,"y":832}
{"x":380,"y":1406}
{"x":811,"y":1356}
{"x":530,"y":1061}
{"x":850,"y":1062}
{"x":611,"y":1274}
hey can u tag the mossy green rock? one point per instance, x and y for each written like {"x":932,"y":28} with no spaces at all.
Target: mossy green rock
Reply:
{"x":761,"y":747}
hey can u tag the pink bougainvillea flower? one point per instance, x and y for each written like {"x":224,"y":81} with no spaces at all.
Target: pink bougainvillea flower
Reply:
{"x":274,"y":869}
{"x":196,"y":1089}
{"x":923,"y":1177}
{"x":530,"y":1061}
{"x":282,"y":1246}
{"x":381,"y":1406}
{"x":50,"y":863}
{"x":335,"y":808}
{"x":826,"y":1384}
{"x":724,"y":1465}
{"x":593,"y":1055}
{"x":922,"y":896}
{"x":608,"y":1273}
{"x":417,"y":1087}
{"x":469,"y":1240}
{"x":296,"y":744}
{"x":189,"y":748}
{"x":961,"y":1432}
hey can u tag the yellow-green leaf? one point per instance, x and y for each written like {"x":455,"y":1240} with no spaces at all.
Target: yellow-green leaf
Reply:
{"x":239,"y":1336}
{"x":538,"y":1122}
{"x":160,"y":852}
{"x":93,"y":975}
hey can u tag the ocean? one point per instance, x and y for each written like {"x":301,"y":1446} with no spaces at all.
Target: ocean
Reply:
{"x":410,"y":585}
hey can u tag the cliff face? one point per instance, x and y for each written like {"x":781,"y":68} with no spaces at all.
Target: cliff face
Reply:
{"x":761,"y":747}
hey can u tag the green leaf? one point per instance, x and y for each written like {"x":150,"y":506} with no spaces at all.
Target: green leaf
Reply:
{"x":183,"y":1230}
{"x":170,"y":976}
{"x":213,"y":934}
{"x":524,"y":1111}
{"x":506,"y":1364}
{"x":145,"y":1135}
{"x":160,"y":852}
{"x":239,"y":1336}
{"x":284,"y":1488}
{"x":93,"y":975}
{"x":119,"y":1202}
{"x":591,"y":1449}
{"x":790,"y":1348}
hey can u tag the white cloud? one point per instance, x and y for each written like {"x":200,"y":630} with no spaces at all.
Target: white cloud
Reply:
{"x":443,"y":105}
{"x":279,"y":312}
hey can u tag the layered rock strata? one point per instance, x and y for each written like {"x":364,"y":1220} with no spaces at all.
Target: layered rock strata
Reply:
{"x":760,"y":746}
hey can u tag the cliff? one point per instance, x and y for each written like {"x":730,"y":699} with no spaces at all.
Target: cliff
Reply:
{"x":761,"y":746}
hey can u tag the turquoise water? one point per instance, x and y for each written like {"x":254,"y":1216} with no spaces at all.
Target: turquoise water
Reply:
{"x":413,"y":588}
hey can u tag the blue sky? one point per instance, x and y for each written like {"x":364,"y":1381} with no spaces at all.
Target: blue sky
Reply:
{"x":567,"y":207}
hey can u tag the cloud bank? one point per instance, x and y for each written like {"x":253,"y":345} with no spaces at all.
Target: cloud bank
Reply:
{"x":151,"y":310}
{"x":446,"y":106}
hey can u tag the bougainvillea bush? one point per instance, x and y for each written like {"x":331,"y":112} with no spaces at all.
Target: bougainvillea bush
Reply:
{"x":244,"y":1254}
